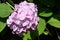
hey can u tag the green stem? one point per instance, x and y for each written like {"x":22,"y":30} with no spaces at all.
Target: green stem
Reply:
{"x":48,"y":31}
{"x":11,"y":2}
{"x":57,"y":34}
{"x":10,"y":5}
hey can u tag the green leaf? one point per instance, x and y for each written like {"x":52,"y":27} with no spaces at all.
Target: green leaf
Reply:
{"x":2,"y":25}
{"x":54,"y":22}
{"x":46,"y":14}
{"x":5,"y":10}
{"x":34,"y":34}
{"x":30,"y":0}
{"x":46,"y":32}
{"x":41,"y":26}
{"x":27,"y":36}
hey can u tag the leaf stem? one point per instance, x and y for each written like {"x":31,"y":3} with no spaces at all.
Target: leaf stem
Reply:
{"x":48,"y":31}
{"x":57,"y":34}
{"x":11,"y":2}
{"x":10,"y":5}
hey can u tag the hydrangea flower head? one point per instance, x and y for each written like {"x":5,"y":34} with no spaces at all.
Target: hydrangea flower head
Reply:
{"x":23,"y":18}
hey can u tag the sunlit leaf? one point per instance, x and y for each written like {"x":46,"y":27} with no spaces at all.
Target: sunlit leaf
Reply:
{"x":27,"y":36}
{"x":2,"y":25}
{"x":54,"y":22}
{"x":46,"y":14}
{"x":41,"y":26}
{"x":46,"y":33}
{"x":5,"y":10}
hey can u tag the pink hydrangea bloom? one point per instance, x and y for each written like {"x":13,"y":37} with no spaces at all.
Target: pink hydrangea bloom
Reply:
{"x":23,"y":18}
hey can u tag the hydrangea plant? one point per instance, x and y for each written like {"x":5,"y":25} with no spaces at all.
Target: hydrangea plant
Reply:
{"x":23,"y":18}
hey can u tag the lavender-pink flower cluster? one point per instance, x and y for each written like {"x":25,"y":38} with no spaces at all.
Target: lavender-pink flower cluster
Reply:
{"x":23,"y":18}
